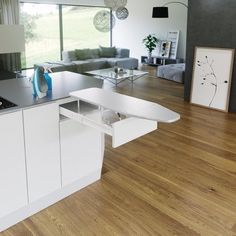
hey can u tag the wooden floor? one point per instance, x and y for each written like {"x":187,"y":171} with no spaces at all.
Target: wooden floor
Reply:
{"x":178,"y":180}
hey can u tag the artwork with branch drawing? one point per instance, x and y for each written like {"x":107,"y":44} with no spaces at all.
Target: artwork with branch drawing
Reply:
{"x":212,"y":77}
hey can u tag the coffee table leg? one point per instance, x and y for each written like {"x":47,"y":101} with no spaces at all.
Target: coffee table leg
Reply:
{"x":116,"y":82}
{"x":133,"y":78}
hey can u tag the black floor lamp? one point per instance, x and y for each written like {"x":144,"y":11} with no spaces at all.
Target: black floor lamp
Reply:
{"x":162,"y":12}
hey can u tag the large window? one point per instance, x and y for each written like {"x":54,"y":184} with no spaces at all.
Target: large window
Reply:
{"x":42,"y":33}
{"x":49,"y":28}
{"x":78,"y":28}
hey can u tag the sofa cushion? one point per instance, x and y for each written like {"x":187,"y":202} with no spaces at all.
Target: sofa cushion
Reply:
{"x":95,"y":53}
{"x":122,"y":52}
{"x":95,"y":64}
{"x":83,"y":54}
{"x":79,"y":66}
{"x":68,"y":56}
{"x":91,"y":64}
{"x":107,"y":51}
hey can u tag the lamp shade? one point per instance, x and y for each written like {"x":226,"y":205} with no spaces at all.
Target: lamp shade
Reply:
{"x":12,"y":38}
{"x":160,"y":12}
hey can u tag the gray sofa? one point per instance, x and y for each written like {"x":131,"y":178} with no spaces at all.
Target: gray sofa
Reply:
{"x":82,"y":60}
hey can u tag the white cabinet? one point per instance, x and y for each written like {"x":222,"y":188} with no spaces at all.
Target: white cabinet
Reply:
{"x":82,"y":150}
{"x":13,"y":188}
{"x":44,"y":159}
{"x":41,"y":126}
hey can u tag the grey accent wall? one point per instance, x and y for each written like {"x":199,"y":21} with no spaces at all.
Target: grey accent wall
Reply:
{"x":211,"y":23}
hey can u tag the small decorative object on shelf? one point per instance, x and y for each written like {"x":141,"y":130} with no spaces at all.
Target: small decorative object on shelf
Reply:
{"x":116,"y":68}
{"x":121,"y":71}
{"x":150,"y":42}
{"x":131,"y":71}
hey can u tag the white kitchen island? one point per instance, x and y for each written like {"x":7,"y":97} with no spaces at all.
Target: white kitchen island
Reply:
{"x":53,"y":147}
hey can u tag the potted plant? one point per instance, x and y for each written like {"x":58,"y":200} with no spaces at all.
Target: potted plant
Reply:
{"x":150,"y":42}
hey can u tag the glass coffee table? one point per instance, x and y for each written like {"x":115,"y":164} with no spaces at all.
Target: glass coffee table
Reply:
{"x":110,"y":75}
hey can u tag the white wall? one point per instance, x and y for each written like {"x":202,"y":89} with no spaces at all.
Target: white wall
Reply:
{"x":130,"y":32}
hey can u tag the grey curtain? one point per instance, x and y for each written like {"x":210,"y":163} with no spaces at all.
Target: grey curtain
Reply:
{"x":9,"y":14}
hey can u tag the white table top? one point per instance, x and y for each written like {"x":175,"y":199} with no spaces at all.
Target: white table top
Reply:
{"x":126,"y":105}
{"x":110,"y":73}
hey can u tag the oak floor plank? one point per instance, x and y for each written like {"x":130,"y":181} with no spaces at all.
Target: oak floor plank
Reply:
{"x":167,"y":199}
{"x":180,"y":167}
{"x":141,"y":212}
{"x":170,"y":189}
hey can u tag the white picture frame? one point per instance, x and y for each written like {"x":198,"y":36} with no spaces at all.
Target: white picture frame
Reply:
{"x":173,"y":36}
{"x":211,"y":81}
{"x":164,"y":50}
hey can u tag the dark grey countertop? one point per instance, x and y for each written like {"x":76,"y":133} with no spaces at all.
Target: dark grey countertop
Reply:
{"x":6,"y":75}
{"x":19,"y":91}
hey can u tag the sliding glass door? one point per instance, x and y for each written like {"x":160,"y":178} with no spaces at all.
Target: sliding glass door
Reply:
{"x":50,"y":28}
{"x":42,"y":33}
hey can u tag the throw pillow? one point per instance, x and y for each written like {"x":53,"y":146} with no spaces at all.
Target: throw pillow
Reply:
{"x":83,"y":54}
{"x":107,"y":51}
{"x":94,"y":53}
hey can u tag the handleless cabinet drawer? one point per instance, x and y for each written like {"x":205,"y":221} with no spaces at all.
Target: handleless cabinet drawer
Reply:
{"x":122,"y":129}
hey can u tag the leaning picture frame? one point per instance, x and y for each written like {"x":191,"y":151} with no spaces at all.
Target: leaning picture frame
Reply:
{"x":173,"y":36}
{"x":164,"y":50}
{"x":211,"y":81}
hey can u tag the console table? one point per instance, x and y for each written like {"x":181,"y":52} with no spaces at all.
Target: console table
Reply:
{"x":156,"y":61}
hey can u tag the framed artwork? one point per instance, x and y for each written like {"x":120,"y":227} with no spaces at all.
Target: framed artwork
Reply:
{"x":164,"y":50}
{"x":211,"y":80}
{"x":173,"y":36}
